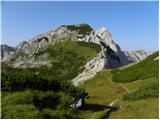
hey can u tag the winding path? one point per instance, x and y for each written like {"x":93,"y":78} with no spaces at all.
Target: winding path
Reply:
{"x":115,"y":100}
{"x":114,"y":108}
{"x":127,"y":90}
{"x":111,"y":104}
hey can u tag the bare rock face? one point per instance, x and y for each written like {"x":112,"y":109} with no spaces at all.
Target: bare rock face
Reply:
{"x":91,"y":68}
{"x":135,"y":56}
{"x":6,"y":51}
{"x":111,"y":51}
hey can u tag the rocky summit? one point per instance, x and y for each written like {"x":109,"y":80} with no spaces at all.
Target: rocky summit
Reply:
{"x":111,"y":56}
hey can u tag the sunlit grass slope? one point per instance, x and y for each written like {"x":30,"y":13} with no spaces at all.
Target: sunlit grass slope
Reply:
{"x":136,"y":97}
{"x":46,"y":91}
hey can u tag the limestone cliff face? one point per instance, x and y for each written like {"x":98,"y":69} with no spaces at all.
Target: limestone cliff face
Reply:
{"x":6,"y":51}
{"x":91,"y":68}
{"x":135,"y":56}
{"x":112,"y":53}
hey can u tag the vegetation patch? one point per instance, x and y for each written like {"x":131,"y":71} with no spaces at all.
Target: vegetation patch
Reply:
{"x":68,"y":58}
{"x":147,"y":68}
{"x":20,"y":111}
{"x":36,"y":104}
{"x":82,"y":29}
{"x":90,"y":45}
{"x":148,"y":91}
{"x":46,"y":92}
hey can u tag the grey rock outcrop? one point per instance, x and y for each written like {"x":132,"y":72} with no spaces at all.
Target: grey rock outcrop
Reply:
{"x":138,"y":55}
{"x":111,"y":51}
{"x":51,"y":37}
{"x":91,"y":68}
{"x":6,"y":51}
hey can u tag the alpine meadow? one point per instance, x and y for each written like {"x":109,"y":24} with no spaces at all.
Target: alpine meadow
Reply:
{"x":74,"y":70}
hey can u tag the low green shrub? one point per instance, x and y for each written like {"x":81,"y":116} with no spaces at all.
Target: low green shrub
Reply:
{"x":82,"y":29}
{"x":13,"y":98}
{"x":20,"y":111}
{"x":148,"y":91}
{"x":91,"y":45}
{"x":47,"y":113}
{"x":46,"y":99}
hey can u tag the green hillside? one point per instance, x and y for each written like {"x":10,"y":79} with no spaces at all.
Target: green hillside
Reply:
{"x":46,"y":92}
{"x":135,"y":97}
{"x":147,"y":68}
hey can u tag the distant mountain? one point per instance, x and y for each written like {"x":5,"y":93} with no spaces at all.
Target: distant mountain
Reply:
{"x":6,"y":51}
{"x":111,"y":54}
{"x":138,"y":55}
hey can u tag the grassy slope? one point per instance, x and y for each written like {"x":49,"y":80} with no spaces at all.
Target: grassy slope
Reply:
{"x":146,"y":109}
{"x":147,"y":68}
{"x":103,"y":91}
{"x":67,"y":59}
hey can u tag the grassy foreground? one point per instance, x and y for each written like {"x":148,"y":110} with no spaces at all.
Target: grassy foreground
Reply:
{"x":46,"y":92}
{"x":102,"y":91}
{"x":134,"y":89}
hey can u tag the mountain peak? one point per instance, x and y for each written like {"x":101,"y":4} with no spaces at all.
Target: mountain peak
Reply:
{"x":110,"y":51}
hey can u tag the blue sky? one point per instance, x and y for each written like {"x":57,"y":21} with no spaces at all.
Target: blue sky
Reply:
{"x":134,"y":25}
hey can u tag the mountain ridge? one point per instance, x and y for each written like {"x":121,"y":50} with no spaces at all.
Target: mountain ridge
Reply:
{"x":79,"y":32}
